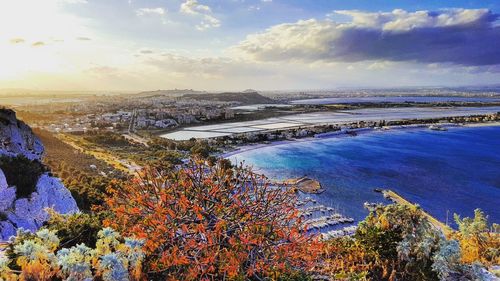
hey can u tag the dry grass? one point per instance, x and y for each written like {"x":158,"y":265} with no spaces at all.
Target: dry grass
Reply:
{"x":99,"y":153}
{"x":57,"y":151}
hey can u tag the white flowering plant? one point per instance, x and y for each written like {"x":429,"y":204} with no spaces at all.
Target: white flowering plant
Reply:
{"x":38,"y":257}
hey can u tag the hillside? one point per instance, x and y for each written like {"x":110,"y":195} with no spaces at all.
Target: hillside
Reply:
{"x":241,"y":97}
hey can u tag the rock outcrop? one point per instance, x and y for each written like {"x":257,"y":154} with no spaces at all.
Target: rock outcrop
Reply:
{"x":17,"y":138}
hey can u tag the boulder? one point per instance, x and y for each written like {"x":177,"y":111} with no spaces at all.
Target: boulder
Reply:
{"x":30,"y":213}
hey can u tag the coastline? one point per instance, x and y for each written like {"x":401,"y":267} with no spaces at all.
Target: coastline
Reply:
{"x":348,"y":132}
{"x":484,"y":124}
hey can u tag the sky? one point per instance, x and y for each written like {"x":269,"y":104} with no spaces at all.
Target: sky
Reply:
{"x":139,"y":45}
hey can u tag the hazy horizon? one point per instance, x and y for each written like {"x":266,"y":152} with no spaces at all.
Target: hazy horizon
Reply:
{"x":10,"y":91}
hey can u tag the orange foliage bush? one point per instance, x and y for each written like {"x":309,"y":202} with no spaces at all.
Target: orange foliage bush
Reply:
{"x":345,"y":259}
{"x":211,"y":222}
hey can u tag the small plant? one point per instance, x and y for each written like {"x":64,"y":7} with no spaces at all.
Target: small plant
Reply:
{"x":36,"y":257}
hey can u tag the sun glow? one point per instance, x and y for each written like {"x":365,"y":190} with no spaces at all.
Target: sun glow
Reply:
{"x":34,"y":35}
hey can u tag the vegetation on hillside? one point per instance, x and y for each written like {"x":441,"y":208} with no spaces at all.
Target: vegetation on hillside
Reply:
{"x":240,"y":97}
{"x":209,"y":220}
{"x":22,"y":173}
{"x":86,"y":177}
{"x":107,"y":138}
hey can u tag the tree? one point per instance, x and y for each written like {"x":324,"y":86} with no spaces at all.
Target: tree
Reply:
{"x":206,"y":222}
{"x":476,"y":241}
{"x":403,"y":240}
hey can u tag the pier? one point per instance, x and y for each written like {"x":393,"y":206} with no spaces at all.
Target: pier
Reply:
{"x":305,"y":184}
{"x":394,"y":197}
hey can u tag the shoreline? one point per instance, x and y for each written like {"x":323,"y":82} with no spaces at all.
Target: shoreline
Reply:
{"x":348,"y":132}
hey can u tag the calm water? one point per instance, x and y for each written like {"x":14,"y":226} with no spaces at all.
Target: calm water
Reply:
{"x":455,"y":171}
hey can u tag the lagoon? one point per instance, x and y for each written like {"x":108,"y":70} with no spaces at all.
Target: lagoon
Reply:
{"x":331,"y":117}
{"x":395,"y":99}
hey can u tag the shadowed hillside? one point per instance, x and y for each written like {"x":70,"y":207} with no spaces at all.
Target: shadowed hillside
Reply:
{"x":242,"y":97}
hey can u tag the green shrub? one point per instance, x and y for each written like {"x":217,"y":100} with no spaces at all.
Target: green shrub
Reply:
{"x":404,"y":241}
{"x":22,"y":173}
{"x":109,"y":139}
{"x":76,"y":228}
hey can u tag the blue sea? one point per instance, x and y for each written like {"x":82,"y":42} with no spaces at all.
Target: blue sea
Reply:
{"x":445,"y":172}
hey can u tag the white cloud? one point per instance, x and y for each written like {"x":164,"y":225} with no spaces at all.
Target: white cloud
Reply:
{"x":193,"y":7}
{"x":421,"y":36}
{"x":150,"y":11}
{"x":401,"y":20}
{"x":304,"y":40}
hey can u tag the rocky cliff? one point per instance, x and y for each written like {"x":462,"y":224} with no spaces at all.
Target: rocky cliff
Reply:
{"x":17,"y":141}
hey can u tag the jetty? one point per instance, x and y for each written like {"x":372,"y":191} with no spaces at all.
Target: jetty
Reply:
{"x":305,"y":184}
{"x":396,"y":198}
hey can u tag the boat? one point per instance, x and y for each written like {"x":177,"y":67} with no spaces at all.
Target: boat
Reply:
{"x":370,"y":206}
{"x":437,"y":128}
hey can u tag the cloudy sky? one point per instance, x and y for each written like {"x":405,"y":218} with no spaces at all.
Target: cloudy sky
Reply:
{"x":238,"y":44}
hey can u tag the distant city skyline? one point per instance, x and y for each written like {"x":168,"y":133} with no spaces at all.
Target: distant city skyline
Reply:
{"x":136,"y":45}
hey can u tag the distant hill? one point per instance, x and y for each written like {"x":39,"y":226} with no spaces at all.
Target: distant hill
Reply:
{"x":246,"y":97}
{"x":172,"y":93}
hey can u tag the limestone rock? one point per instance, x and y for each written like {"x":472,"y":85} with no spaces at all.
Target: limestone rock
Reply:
{"x":7,"y":230}
{"x":17,"y":138}
{"x":7,"y":194}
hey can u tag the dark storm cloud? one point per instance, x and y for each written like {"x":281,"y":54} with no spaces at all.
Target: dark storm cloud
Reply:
{"x":463,"y":37}
{"x":465,"y":45}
